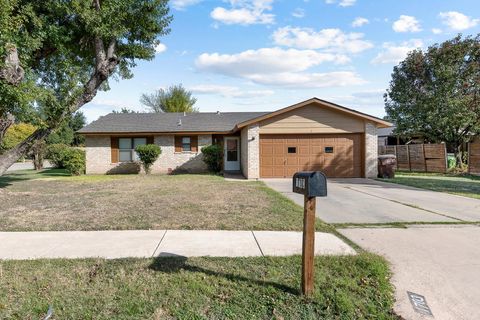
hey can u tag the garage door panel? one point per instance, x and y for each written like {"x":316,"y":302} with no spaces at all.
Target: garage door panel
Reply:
{"x":308,"y":152}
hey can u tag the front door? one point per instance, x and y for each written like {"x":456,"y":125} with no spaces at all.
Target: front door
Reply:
{"x":232,"y":154}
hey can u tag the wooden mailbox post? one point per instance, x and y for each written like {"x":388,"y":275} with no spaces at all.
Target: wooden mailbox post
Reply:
{"x":311,"y":184}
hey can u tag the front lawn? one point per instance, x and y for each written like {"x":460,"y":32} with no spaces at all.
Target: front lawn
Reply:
{"x":347,"y":287}
{"x":52,"y":200}
{"x":465,"y":185}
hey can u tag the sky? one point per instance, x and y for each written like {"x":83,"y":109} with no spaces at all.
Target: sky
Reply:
{"x":263,"y":55}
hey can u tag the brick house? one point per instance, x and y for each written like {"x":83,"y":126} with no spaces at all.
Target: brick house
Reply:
{"x":310,"y":135}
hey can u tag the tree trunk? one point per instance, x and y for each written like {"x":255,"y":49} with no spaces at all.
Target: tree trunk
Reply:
{"x":11,"y":156}
{"x":38,"y":151}
{"x":6,"y":121}
{"x":459,"y":156}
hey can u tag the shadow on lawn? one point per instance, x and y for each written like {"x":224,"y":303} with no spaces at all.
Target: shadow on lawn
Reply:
{"x":172,"y":263}
{"x":24,"y":175}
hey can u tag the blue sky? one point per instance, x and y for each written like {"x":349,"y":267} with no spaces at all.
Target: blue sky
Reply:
{"x":261,"y":55}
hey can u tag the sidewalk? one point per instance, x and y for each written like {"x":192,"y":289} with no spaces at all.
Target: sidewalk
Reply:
{"x":153,"y":243}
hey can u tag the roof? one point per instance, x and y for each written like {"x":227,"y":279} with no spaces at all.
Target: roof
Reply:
{"x":211,"y":122}
{"x":168,"y":122}
{"x":385,"y":132}
{"x":380,"y":122}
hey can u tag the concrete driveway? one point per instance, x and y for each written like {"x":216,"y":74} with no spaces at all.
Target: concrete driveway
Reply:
{"x":437,"y":263}
{"x":440,"y":263}
{"x":370,"y":201}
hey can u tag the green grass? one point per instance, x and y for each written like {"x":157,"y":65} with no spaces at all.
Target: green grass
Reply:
{"x":346,"y":287}
{"x":51,"y":200}
{"x":463,"y":185}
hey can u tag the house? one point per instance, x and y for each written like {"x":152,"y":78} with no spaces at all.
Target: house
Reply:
{"x":310,"y":135}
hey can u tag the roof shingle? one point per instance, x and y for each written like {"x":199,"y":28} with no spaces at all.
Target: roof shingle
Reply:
{"x":168,"y":122}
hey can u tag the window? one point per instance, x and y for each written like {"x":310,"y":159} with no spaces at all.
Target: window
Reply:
{"x":126,"y":148}
{"x":292,"y":150}
{"x":186,"y":144}
{"x":328,"y":149}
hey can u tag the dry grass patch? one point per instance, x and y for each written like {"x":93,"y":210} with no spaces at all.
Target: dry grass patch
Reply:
{"x":52,"y":201}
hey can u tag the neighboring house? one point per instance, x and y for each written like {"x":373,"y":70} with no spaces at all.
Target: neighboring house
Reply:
{"x":311,"y":135}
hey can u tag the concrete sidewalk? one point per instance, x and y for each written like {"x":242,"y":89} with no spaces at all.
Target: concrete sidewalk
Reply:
{"x":153,"y":243}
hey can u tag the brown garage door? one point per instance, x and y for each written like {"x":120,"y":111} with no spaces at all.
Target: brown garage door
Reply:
{"x":337,"y":155}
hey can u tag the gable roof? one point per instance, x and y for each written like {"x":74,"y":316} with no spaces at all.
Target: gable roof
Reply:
{"x":168,"y":122}
{"x":211,"y":122}
{"x":323,"y":103}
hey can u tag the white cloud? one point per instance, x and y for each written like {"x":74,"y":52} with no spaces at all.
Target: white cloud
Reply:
{"x":245,"y":12}
{"x":393,"y":53}
{"x":230,"y":91}
{"x":342,"y":3}
{"x":309,"y":80}
{"x":298,"y":13}
{"x":458,"y":21}
{"x":182,"y":4}
{"x":281,"y":67}
{"x":265,"y":61}
{"x":160,"y":48}
{"x":328,"y":39}
{"x":360,"y":21}
{"x":406,"y":24}
{"x":436,"y":31}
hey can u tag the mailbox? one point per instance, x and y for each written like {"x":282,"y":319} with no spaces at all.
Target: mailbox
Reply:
{"x":310,"y":183}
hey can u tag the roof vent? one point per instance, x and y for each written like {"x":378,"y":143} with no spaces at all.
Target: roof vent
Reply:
{"x":184,"y":113}
{"x":179,"y":122}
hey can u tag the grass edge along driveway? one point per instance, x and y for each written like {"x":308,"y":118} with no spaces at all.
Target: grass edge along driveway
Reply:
{"x":462,"y":185}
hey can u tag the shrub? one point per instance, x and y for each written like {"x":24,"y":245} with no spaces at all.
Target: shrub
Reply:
{"x":148,"y":154}
{"x":56,"y":154}
{"x":212,"y":156}
{"x":74,"y":161}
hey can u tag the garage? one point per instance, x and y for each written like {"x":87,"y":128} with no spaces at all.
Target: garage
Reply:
{"x":337,"y":155}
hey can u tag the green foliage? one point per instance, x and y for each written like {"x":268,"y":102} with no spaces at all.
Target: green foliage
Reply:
{"x":175,"y":99}
{"x":16,"y":134}
{"x":74,"y":161}
{"x":436,"y":93}
{"x":124,"y":110}
{"x":57,"y":41}
{"x":66,"y":134}
{"x":56,"y":154}
{"x":212,"y":156}
{"x":148,"y":154}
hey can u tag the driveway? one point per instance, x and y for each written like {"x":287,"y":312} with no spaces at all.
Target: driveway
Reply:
{"x":436,"y":261}
{"x":370,"y":201}
{"x":441,"y":263}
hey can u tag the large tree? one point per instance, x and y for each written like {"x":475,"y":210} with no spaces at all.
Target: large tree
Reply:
{"x":59,"y":53}
{"x":436,"y":93}
{"x":174,"y":99}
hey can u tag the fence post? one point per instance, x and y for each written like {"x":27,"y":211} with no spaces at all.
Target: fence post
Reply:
{"x":408,"y":156}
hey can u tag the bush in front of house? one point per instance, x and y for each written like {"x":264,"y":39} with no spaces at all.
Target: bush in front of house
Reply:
{"x":148,"y":154}
{"x":74,"y":161}
{"x":212,"y":156}
{"x":56,"y":154}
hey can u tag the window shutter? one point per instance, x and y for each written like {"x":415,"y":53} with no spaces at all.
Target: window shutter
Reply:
{"x":150,"y":140}
{"x":194,"y":143}
{"x":114,"y":148}
{"x":178,"y":144}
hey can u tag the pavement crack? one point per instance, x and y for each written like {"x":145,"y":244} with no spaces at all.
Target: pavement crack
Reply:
{"x":258,"y":244}
{"x":405,"y":204}
{"x":158,"y":245}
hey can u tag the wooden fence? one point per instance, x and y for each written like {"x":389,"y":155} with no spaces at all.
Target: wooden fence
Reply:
{"x":474,"y":158}
{"x":418,"y":157}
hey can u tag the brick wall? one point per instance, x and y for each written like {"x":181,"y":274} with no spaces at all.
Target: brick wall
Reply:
{"x":98,"y":155}
{"x":250,"y":151}
{"x":371,"y":150}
